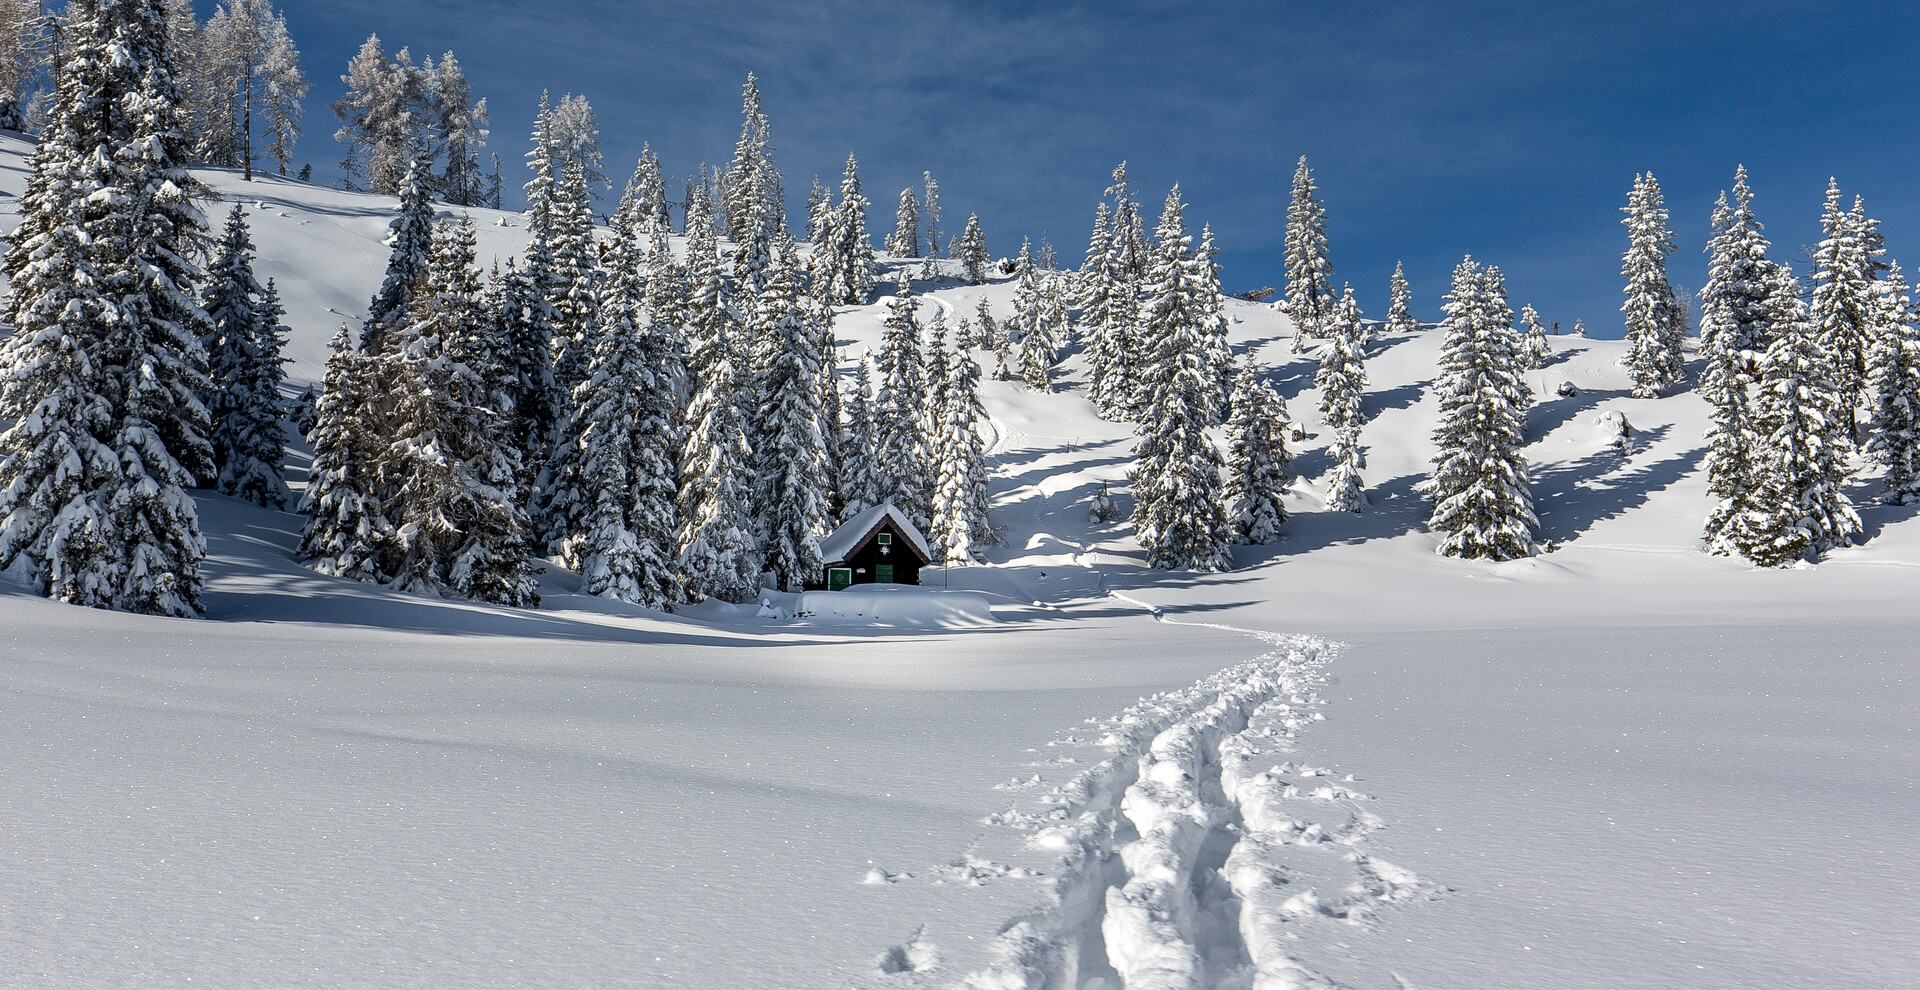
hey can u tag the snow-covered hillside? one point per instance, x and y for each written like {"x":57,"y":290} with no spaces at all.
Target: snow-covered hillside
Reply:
{"x":1624,"y":763}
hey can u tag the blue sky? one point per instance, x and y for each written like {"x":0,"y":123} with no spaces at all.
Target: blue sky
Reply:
{"x":1508,"y":130}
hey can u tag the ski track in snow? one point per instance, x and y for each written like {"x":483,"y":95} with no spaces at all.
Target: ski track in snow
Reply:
{"x":1186,"y":861}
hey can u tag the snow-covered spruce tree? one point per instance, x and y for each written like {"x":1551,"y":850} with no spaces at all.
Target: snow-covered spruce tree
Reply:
{"x":1094,"y":292}
{"x":409,"y":241}
{"x":1482,"y":503}
{"x":905,"y":239}
{"x":243,"y":358}
{"x":1894,"y":373}
{"x":1128,"y":258}
{"x":650,"y":195}
{"x":1534,"y":346}
{"x":574,"y":291}
{"x":860,"y":485}
{"x":524,"y":319}
{"x":719,"y":556}
{"x":792,"y":479}
{"x":1342,"y":381}
{"x":1178,"y":516}
{"x":1738,"y":309}
{"x":1846,"y":266}
{"x":145,"y":241}
{"x":819,"y":208}
{"x":989,"y":332}
{"x":930,"y":215}
{"x":960,"y":529}
{"x":750,"y":202}
{"x":902,"y":458}
{"x":1800,"y":509}
{"x":1400,"y":303}
{"x":1219,"y":352}
{"x":1028,"y":325}
{"x":1257,"y":458}
{"x":627,"y":435}
{"x":973,"y":257}
{"x":936,"y":373}
{"x":850,"y":267}
{"x":459,"y":528}
{"x":347,"y":533}
{"x":1310,"y":297}
{"x":58,"y":465}
{"x":1656,"y":325}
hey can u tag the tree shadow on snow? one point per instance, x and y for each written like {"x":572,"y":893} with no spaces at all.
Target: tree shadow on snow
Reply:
{"x":1398,"y":397}
{"x":1572,"y":498}
{"x":1876,"y":515}
{"x":1550,"y":414}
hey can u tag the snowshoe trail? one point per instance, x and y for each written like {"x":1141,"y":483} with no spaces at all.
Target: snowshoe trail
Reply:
{"x":1187,"y":859}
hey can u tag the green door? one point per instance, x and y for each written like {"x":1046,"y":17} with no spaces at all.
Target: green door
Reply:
{"x":838,"y":578}
{"x":883,"y":573}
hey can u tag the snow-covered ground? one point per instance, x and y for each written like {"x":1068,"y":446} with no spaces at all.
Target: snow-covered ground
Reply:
{"x":1621,"y":764}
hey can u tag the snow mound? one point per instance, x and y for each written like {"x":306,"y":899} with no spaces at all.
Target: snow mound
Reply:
{"x":899,"y":606}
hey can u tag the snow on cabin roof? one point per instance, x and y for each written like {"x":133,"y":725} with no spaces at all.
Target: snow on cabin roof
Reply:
{"x":835,"y":546}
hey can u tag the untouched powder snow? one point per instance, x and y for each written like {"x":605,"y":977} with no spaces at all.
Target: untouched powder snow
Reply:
{"x":1347,"y":762}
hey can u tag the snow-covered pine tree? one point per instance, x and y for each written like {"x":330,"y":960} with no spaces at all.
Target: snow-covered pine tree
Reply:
{"x":1257,"y":458}
{"x":850,"y":265}
{"x":1400,"y":303}
{"x":905,"y":240}
{"x":1894,"y":373}
{"x":1178,"y":516}
{"x":1534,"y":346}
{"x":1738,"y":308}
{"x":719,"y":556}
{"x":459,"y":527}
{"x":792,"y":481}
{"x":347,"y":533}
{"x":903,"y":463}
{"x":1800,"y":509}
{"x":860,"y":486}
{"x":1342,"y":381}
{"x":627,"y":434}
{"x":243,"y":358}
{"x":1656,"y":325}
{"x":1310,"y":297}
{"x":574,"y":292}
{"x":960,"y":528}
{"x":458,"y":127}
{"x":409,"y":241}
{"x":382,"y":115}
{"x":973,"y":257}
{"x":1482,"y":503}
{"x":1845,"y":270}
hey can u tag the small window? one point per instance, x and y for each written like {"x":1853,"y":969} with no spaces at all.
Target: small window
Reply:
{"x":886,"y":539}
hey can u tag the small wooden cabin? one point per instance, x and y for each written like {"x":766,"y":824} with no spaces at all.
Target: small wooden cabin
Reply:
{"x":878,"y":546}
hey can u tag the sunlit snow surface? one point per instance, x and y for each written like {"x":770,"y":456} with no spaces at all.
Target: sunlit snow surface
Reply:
{"x":1622,"y":764}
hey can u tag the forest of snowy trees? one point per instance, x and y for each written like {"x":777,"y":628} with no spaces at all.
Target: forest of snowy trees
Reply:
{"x":678,"y":424}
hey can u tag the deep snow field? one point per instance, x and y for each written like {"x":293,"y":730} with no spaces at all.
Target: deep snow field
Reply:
{"x":1347,"y":762}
